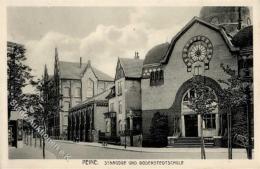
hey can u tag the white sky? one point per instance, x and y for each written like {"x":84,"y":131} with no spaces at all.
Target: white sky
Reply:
{"x":101,"y":34}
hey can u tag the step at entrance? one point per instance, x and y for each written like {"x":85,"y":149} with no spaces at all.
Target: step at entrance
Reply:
{"x":191,"y":142}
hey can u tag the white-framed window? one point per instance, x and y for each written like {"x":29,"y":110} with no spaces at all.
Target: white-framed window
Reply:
{"x":65,"y":119}
{"x":90,"y":88}
{"x":66,"y":92}
{"x":197,"y":70}
{"x":120,"y":126}
{"x":120,"y":107}
{"x":111,"y":107}
{"x":108,"y":126}
{"x":209,"y":121}
{"x":119,"y":88}
{"x":66,"y":106}
{"x":78,"y":92}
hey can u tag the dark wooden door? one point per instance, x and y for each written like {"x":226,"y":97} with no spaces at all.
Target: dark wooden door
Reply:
{"x":191,"y":125}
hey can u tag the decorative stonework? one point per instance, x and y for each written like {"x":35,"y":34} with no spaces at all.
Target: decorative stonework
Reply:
{"x":197,"y":49}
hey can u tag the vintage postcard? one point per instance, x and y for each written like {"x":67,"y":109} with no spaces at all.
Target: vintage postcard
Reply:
{"x":128,"y":85}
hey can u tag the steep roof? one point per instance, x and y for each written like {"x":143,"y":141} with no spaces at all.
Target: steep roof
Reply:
{"x":101,"y":76}
{"x":132,"y":67}
{"x":72,"y":70}
{"x":188,"y":26}
{"x":156,"y":54}
{"x":162,"y":52}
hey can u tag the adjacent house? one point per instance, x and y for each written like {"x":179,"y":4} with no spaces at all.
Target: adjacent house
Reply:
{"x":124,"y":117}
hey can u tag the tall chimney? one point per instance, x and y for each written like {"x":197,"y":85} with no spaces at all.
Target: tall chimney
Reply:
{"x":136,"y":55}
{"x":80,"y":62}
{"x":89,"y":62}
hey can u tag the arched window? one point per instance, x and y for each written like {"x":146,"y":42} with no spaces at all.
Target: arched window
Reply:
{"x":120,"y":125}
{"x":248,"y":21}
{"x":209,"y":120}
{"x":108,"y":127}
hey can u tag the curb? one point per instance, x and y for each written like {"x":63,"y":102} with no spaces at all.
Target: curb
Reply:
{"x":104,"y":147}
{"x":222,"y":150}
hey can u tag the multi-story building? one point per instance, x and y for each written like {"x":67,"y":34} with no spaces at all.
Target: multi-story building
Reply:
{"x":74,"y":83}
{"x":198,"y":50}
{"x":86,"y":119}
{"x":124,"y":116}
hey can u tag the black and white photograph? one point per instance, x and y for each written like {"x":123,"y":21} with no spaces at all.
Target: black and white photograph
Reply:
{"x":130,"y":82}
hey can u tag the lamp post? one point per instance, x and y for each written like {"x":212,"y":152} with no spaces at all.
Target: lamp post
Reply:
{"x":125,"y":133}
{"x":131,"y":126}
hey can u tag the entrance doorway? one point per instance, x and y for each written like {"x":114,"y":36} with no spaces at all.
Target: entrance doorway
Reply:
{"x":191,"y":125}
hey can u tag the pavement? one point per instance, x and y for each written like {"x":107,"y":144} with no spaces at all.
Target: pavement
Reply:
{"x":29,"y":152}
{"x":90,"y":150}
{"x":153,"y":150}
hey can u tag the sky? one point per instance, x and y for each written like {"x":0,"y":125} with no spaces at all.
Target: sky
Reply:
{"x":99,"y":34}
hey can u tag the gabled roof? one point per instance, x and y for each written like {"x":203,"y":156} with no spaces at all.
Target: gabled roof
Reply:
{"x":132,"y":67}
{"x":101,"y":76}
{"x":101,"y":97}
{"x":72,"y":70}
{"x":187,"y":26}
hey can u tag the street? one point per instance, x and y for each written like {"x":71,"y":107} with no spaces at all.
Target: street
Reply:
{"x":78,"y":151}
{"x":84,"y":150}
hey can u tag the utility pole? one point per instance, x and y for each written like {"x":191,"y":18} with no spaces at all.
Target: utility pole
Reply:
{"x":131,"y":117}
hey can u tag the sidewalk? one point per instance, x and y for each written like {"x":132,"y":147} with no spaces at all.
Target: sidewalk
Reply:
{"x":153,"y":150}
{"x":29,"y":152}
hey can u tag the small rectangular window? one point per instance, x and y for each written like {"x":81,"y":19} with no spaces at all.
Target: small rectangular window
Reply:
{"x":209,"y":121}
{"x":120,"y":107}
{"x":156,"y":78}
{"x":119,"y":91}
{"x":77,"y":92}
{"x":66,"y":92}
{"x":66,"y":106}
{"x":111,"y":107}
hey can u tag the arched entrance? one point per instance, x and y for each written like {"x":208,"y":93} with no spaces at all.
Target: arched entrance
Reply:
{"x":190,"y":120}
{"x":179,"y":112}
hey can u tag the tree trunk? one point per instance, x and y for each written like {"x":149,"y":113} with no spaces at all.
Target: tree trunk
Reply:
{"x":43,"y":141}
{"x":203,"y":154}
{"x":35,"y":139}
{"x":43,"y":147}
{"x":40,"y":141}
{"x":31,"y":137}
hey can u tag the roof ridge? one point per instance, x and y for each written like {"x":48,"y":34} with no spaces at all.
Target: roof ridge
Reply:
{"x":186,"y":27}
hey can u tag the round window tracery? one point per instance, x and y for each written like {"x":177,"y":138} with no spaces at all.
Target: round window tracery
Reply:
{"x":197,"y":49}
